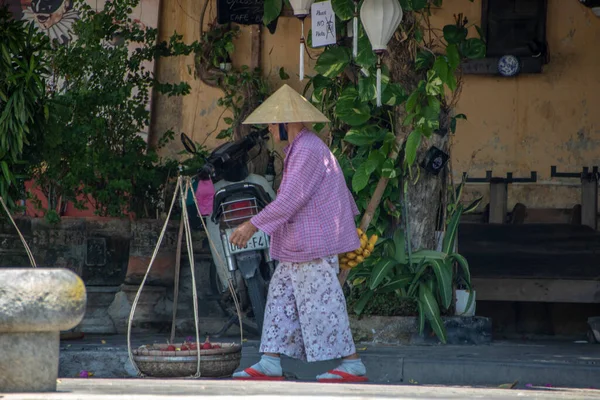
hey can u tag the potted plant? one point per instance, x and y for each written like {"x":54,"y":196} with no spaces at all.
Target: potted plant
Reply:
{"x":464,"y":294}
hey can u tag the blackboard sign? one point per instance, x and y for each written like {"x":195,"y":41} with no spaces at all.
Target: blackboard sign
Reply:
{"x":245,"y":12}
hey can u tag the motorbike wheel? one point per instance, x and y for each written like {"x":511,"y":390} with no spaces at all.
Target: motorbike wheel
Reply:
{"x":257,"y":292}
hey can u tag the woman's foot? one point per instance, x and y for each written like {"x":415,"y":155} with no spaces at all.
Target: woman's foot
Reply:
{"x":267,"y":367}
{"x":350,"y":370}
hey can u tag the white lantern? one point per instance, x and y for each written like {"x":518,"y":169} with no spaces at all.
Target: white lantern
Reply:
{"x":301,"y":10}
{"x":380,"y":18}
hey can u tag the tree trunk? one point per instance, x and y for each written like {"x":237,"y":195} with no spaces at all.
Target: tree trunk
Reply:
{"x":423,"y":202}
{"x":424,"y":197}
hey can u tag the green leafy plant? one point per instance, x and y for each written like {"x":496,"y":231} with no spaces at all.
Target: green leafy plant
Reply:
{"x":424,"y":277}
{"x":23,"y":108}
{"x":240,"y":89}
{"x":94,"y":147}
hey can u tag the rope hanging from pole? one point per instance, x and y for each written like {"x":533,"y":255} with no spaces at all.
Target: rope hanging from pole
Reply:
{"x":182,"y":189}
{"x":27,"y":249}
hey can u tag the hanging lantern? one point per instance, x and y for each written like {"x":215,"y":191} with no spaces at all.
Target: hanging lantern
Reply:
{"x":301,"y":10}
{"x":380,"y":19}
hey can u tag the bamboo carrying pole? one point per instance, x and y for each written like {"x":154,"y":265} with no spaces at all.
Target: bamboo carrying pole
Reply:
{"x":373,"y":204}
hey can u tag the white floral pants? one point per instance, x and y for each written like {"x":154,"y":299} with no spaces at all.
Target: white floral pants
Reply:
{"x":306,"y":316}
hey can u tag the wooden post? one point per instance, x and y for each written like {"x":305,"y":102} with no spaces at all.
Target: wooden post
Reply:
{"x":589,"y":201}
{"x":498,"y":200}
{"x":256,"y":47}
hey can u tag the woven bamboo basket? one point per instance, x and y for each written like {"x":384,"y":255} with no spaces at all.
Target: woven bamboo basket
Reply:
{"x":156,"y":361}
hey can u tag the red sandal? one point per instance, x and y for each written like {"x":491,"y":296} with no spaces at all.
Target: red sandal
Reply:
{"x":345,"y":377}
{"x":258,"y":376}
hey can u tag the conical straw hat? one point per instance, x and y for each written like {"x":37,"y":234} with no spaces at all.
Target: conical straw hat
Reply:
{"x":284,"y":106}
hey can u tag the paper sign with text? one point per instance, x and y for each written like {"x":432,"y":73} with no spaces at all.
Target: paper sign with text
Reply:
{"x":323,"y":24}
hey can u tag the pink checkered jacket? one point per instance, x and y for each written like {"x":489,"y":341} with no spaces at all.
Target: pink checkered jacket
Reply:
{"x":313,"y":215}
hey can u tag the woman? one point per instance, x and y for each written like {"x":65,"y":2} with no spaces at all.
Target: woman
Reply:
{"x":310,"y":222}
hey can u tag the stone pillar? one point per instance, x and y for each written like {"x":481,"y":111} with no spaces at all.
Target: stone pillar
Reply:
{"x":35,"y":305}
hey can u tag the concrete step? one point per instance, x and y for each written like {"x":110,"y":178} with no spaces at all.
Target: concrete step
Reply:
{"x":537,"y":364}
{"x":187,"y":389}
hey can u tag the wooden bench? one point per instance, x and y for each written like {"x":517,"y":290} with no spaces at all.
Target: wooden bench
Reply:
{"x":533,"y":262}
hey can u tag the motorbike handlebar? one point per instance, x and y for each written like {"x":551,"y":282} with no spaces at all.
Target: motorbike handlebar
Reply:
{"x":231,"y":151}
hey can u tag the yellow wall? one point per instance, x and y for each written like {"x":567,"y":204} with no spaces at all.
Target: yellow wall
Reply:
{"x":531,"y":122}
{"x":514,"y":124}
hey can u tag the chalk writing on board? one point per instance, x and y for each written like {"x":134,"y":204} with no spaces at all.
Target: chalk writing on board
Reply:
{"x":245,"y":12}
{"x":323,"y":24}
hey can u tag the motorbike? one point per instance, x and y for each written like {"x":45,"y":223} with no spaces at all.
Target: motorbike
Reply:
{"x":239,"y":195}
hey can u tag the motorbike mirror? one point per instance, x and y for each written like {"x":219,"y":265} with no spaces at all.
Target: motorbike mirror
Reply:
{"x":189,"y":145}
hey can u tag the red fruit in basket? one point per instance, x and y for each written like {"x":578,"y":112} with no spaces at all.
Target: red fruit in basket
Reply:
{"x":216,"y":346}
{"x":184,"y":348}
{"x":206,"y":345}
{"x":193,"y":347}
{"x":171,"y":348}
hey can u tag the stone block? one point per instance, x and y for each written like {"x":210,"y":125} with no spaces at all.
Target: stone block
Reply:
{"x":96,"y":249}
{"x":97,"y":320}
{"x":35,"y":305}
{"x":405,"y":330}
{"x":144,"y":237}
{"x":146,"y":316}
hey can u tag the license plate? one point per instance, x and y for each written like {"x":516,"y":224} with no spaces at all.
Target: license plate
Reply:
{"x":258,"y":241}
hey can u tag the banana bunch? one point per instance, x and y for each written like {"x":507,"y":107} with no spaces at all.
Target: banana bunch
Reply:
{"x":354,"y":258}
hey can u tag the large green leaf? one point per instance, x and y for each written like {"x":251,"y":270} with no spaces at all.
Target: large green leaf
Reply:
{"x":363,"y":301}
{"x":320,"y":83}
{"x":421,"y":318}
{"x":424,"y":60}
{"x":343,"y":9}
{"x":388,"y":170}
{"x":453,"y":56}
{"x":396,"y":283}
{"x":455,"y":34}
{"x":426,"y":255}
{"x":400,"y":246}
{"x":432,"y":312}
{"x":381,"y":271}
{"x":365,"y":136}
{"x":443,"y":275}
{"x":5,"y":170}
{"x":464,"y":265}
{"x":361,"y":177}
{"x":419,"y":272}
{"x":393,"y":95}
{"x":473,"y":48}
{"x":333,"y":61}
{"x":272,"y":9}
{"x":366,"y":57}
{"x":473,"y":206}
{"x":412,"y":145}
{"x":367,"y":87}
{"x":451,"y":233}
{"x":441,"y":68}
{"x":350,"y":109}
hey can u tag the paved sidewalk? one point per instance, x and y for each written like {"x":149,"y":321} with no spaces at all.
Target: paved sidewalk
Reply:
{"x":150,"y":389}
{"x":540,"y":364}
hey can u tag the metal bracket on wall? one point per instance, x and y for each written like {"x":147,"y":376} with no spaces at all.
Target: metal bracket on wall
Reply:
{"x":584,"y":174}
{"x":532,"y":178}
{"x":509,"y":178}
{"x":488,"y":177}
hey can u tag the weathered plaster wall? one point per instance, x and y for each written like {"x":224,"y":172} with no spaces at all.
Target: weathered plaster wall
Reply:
{"x":515,"y":125}
{"x":198,"y":114}
{"x":532,"y":122}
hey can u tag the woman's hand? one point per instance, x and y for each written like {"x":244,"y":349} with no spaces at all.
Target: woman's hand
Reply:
{"x":242,"y":234}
